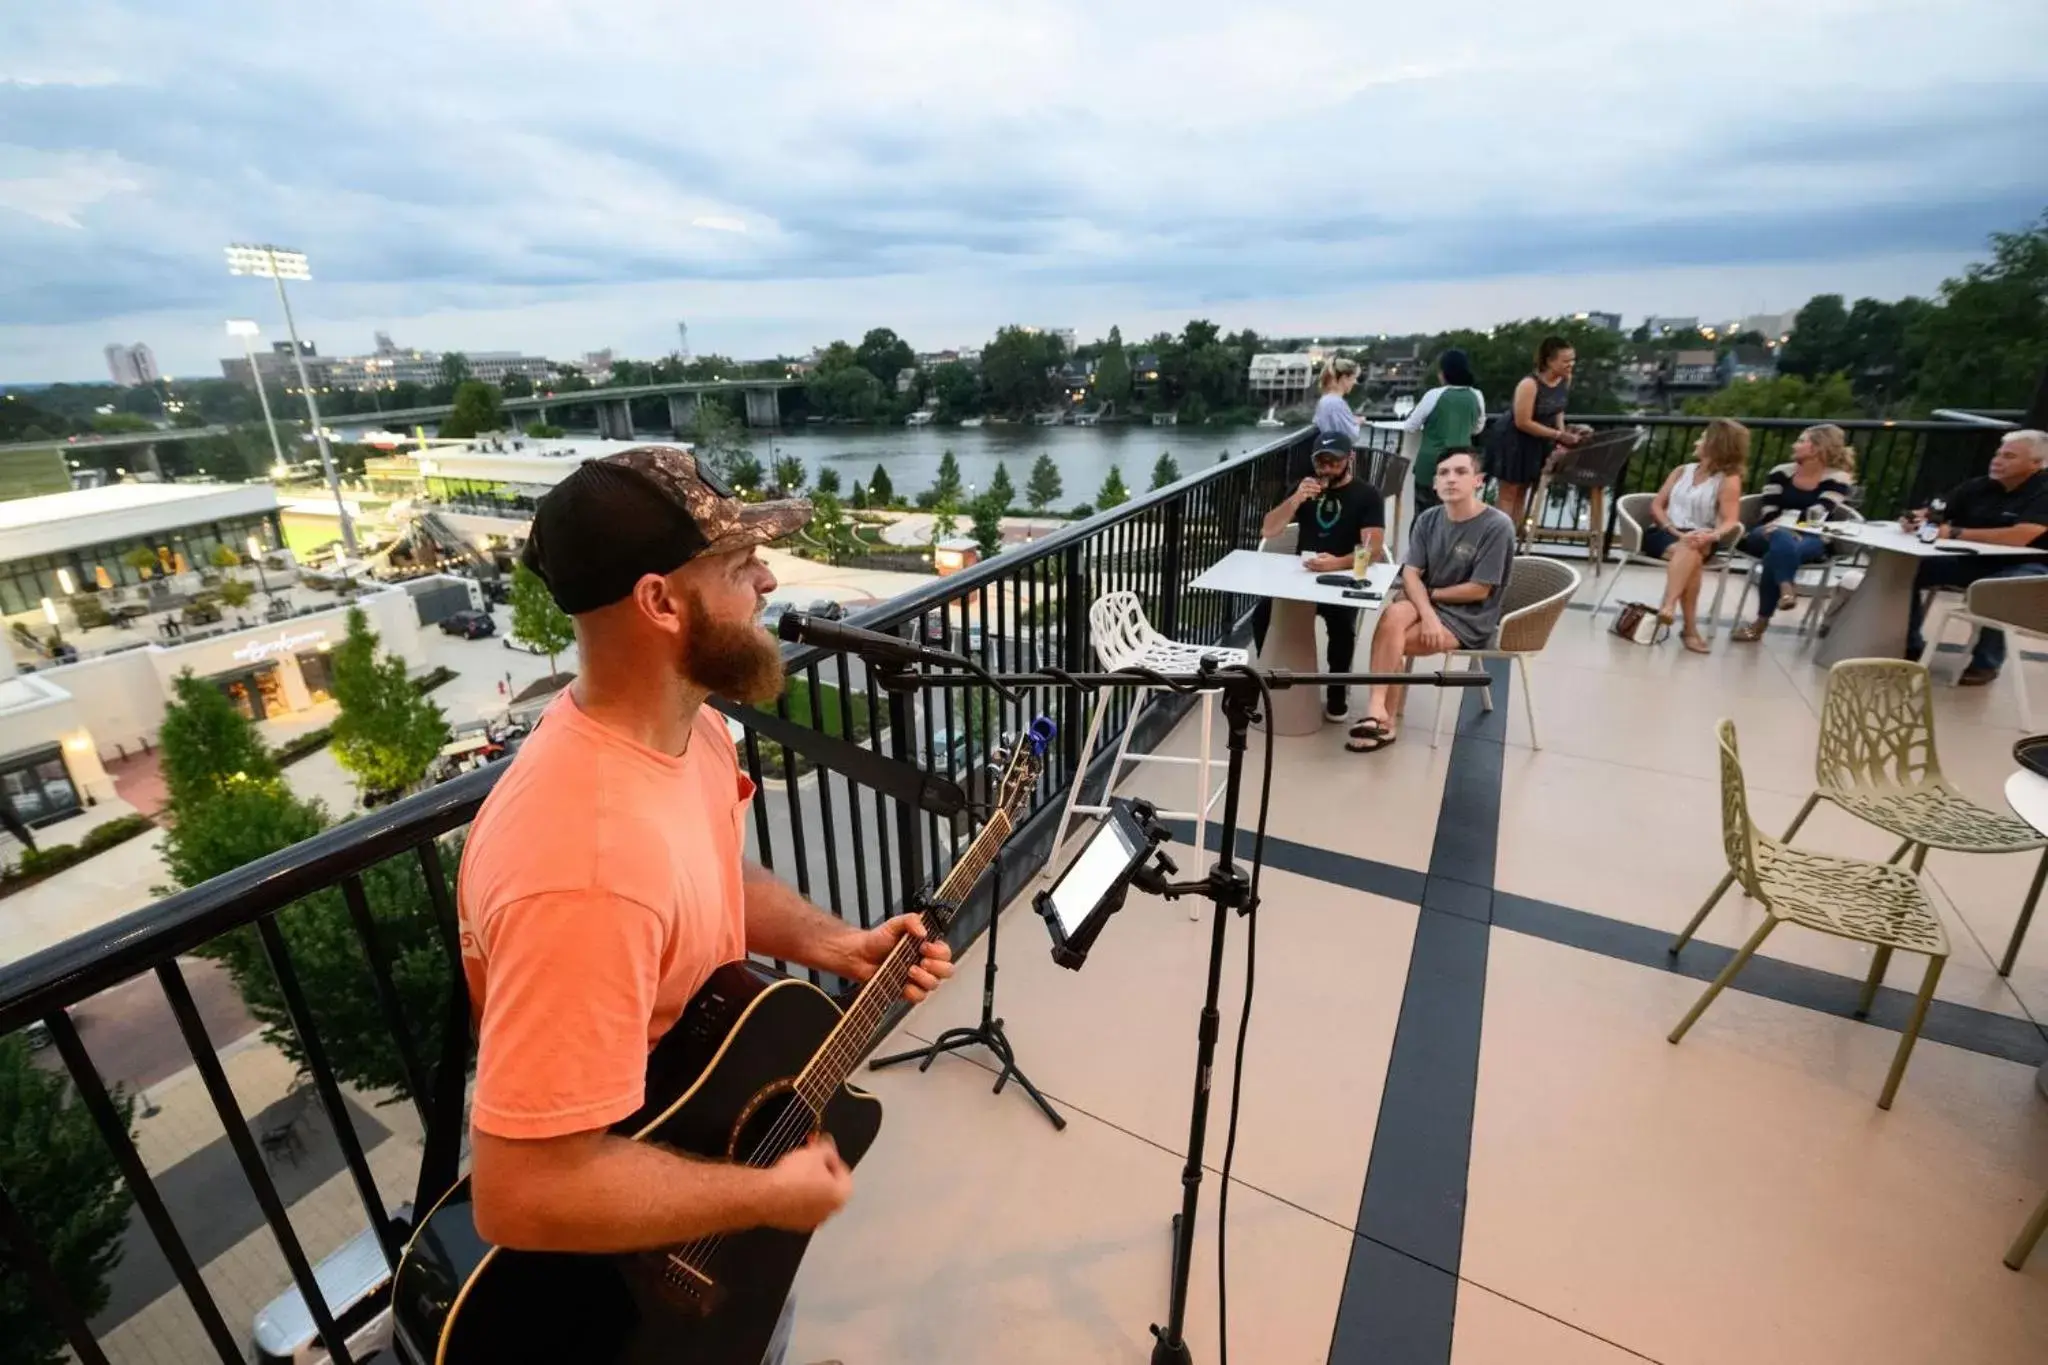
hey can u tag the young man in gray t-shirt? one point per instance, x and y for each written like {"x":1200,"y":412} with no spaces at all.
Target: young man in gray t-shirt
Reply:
{"x":1458,"y":558}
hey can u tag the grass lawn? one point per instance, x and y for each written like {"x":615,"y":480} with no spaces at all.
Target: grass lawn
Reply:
{"x":843,"y":716}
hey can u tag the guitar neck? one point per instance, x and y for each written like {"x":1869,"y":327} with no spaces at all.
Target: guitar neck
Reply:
{"x":849,"y":1042}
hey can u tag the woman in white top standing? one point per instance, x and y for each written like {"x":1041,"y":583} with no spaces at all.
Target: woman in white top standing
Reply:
{"x":1697,"y":506}
{"x":1334,"y":416}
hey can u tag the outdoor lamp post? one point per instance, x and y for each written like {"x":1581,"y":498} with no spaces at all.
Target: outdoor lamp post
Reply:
{"x":246,"y":329}
{"x":280,"y":264}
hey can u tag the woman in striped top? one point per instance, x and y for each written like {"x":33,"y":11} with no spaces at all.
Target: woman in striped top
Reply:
{"x":1821,"y":475}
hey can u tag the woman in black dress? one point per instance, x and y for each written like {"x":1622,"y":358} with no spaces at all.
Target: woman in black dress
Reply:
{"x":1522,"y":439}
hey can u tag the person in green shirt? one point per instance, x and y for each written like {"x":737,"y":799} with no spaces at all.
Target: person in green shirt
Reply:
{"x":1448,"y":417}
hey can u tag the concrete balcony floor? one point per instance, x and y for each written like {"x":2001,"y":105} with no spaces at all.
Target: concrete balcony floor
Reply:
{"x":1463,"y":1134}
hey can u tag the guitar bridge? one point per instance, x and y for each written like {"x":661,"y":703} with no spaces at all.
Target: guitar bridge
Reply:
{"x":682,"y":1284}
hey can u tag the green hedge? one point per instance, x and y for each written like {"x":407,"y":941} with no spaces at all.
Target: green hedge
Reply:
{"x":39,"y":863}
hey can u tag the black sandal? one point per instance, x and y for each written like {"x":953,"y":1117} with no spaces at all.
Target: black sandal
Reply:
{"x":1369,"y":736}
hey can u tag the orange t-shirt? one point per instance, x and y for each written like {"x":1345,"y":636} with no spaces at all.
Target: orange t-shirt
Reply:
{"x":600,"y":887}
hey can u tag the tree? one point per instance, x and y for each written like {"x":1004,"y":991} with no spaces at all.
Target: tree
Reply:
{"x":831,"y":531}
{"x":387,"y":733}
{"x":881,"y":492}
{"x":1786,"y":395}
{"x":1165,"y":469}
{"x":246,"y":819}
{"x":1044,"y":487}
{"x":1986,"y":343}
{"x":827,"y":481}
{"x":789,"y":473}
{"x":849,"y":392}
{"x":946,"y":487}
{"x":987,"y":511}
{"x":66,"y":1187}
{"x":537,"y":622}
{"x":721,"y":442}
{"x":121,"y":423}
{"x":1112,"y":493}
{"x":859,"y":497}
{"x":1017,"y":368}
{"x":236,"y":592}
{"x":1001,"y":489}
{"x":744,"y":472}
{"x":455,"y":372}
{"x":957,"y":388}
{"x":225,"y":557}
{"x":1820,"y":339}
{"x":546,"y":431}
{"x":477,"y":410}
{"x":945,"y":521}
{"x":883,"y":354}
{"x":206,"y":743}
{"x":1113,"y":370}
{"x":517,"y":386}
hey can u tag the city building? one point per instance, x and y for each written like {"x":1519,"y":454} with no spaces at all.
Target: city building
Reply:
{"x":1774,"y":327}
{"x":1691,"y":372}
{"x":1610,"y":321}
{"x":57,"y":544}
{"x":276,"y":368}
{"x":1281,"y":377}
{"x":494,"y":367}
{"x":130,"y":366}
{"x":1747,"y":363}
{"x":1659,"y":327}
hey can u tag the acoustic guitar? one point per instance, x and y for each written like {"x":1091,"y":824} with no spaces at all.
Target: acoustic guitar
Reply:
{"x":754,"y":1066}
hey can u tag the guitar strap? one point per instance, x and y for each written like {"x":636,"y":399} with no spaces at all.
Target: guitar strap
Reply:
{"x":442,"y":1157}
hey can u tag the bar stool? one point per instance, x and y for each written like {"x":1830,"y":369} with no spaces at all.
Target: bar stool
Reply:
{"x":1124,"y":638}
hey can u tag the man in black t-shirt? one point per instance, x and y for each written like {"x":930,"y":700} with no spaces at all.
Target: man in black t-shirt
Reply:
{"x":2008,"y":506}
{"x":1338,"y":512}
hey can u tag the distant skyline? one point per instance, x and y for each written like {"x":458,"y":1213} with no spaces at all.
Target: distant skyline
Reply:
{"x":555,"y":179}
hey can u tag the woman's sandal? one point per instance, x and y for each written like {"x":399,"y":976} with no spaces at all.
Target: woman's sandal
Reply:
{"x":1369,"y":736}
{"x":1693,"y":641}
{"x":1748,"y":633}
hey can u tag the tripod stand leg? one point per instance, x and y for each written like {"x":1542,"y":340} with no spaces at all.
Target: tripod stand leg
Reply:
{"x":999,"y":1043}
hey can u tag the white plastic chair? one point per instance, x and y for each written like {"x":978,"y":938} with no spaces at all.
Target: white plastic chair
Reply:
{"x":1819,"y":576}
{"x":2017,"y":606}
{"x":1124,"y":638}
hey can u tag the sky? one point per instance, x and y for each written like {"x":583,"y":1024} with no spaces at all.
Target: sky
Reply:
{"x":556,"y":177}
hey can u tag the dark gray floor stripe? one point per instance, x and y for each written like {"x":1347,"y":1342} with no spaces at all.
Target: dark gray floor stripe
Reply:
{"x":1400,"y":1287}
{"x":1403,"y":884}
{"x":1982,"y":1031}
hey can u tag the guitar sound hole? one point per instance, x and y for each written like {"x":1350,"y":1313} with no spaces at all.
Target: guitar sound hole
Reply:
{"x":774,"y":1121}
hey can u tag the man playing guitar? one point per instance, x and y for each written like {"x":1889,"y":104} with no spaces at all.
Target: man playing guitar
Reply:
{"x":604,"y":879}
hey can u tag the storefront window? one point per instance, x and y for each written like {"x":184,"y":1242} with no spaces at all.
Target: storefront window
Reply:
{"x":38,"y":786}
{"x":318,"y":671}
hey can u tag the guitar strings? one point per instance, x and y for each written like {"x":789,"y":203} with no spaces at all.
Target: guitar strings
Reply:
{"x":842,"y":1049}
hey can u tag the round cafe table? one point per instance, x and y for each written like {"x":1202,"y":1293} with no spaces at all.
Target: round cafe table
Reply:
{"x":2027,"y":794}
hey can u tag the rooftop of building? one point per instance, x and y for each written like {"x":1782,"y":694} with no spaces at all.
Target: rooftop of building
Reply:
{"x":54,"y":522}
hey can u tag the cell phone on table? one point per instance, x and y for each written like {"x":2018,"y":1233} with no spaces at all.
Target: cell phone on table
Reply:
{"x":1951,"y":548}
{"x":1365,"y":594}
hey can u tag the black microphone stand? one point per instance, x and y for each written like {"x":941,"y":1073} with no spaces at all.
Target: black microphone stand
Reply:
{"x":1227,"y":886}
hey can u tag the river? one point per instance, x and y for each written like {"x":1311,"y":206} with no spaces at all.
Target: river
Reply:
{"x":1083,"y":455}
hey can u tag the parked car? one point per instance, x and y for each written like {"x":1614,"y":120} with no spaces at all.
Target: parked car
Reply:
{"x":774,"y":612}
{"x":470,"y":625}
{"x":827,"y":610}
{"x":349,"y":1280}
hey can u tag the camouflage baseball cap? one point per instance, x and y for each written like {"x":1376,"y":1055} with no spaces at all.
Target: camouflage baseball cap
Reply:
{"x":648,"y":510}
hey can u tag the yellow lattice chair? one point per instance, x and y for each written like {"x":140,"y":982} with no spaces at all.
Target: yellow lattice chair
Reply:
{"x":1875,"y":903}
{"x":1878,"y":762}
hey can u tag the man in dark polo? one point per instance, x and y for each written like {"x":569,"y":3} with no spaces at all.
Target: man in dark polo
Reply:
{"x":2008,"y":506}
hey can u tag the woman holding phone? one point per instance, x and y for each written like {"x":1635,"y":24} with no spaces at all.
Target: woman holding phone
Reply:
{"x":1797,"y":497}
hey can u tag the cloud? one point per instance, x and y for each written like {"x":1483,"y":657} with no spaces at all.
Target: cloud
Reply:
{"x":455,"y":166}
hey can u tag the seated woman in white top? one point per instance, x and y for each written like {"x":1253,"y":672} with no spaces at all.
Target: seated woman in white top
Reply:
{"x":1698,"y":505}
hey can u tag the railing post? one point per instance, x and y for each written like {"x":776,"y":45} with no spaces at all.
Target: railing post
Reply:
{"x":909,"y":819}
{"x":1074,"y":608}
{"x":1171,"y":523}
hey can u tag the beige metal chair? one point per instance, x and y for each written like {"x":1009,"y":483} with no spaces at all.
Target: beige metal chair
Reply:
{"x":2017,"y":606}
{"x":2023,"y":1245}
{"x":1875,"y":903}
{"x":1533,"y":599}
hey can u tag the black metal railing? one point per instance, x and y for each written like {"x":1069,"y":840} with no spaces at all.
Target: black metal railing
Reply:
{"x":838,"y":840}
{"x":1898,"y":464}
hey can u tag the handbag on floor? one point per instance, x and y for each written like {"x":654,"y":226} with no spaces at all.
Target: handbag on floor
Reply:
{"x":1637,"y":623}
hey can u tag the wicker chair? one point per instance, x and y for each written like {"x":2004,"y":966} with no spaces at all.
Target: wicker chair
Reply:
{"x":1633,"y":514}
{"x":1592,"y":467}
{"x":1390,"y":478}
{"x":1875,"y":903}
{"x":1533,"y":599}
{"x":2023,"y":1245}
{"x":2018,"y":606}
{"x":1822,"y":589}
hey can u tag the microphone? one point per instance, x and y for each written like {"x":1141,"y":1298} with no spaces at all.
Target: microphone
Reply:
{"x":799,"y":628}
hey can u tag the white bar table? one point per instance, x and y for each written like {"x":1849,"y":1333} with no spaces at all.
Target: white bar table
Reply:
{"x":1872,"y":623}
{"x":1291,"y":635}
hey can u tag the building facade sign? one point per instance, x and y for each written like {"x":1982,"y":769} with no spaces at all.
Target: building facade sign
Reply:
{"x":288,"y":643}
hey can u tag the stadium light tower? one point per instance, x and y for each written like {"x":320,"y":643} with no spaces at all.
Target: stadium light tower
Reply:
{"x":280,"y":264}
{"x":246,"y":329}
